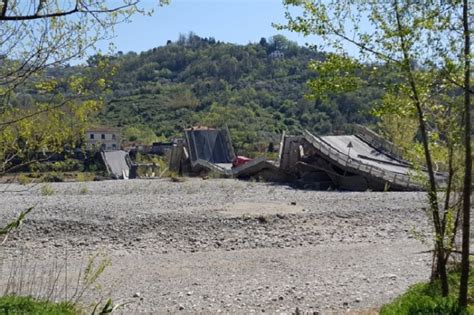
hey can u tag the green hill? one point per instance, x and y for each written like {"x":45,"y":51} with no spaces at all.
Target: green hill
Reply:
{"x":257,"y":90}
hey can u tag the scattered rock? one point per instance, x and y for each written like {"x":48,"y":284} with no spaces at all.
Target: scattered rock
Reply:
{"x":391,"y":276}
{"x":284,"y":259}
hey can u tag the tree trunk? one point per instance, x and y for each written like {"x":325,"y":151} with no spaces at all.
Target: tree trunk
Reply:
{"x":440,"y":250}
{"x":466,"y":209}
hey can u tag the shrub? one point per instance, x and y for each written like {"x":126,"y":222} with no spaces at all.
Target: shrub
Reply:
{"x":85,"y":177}
{"x":23,"y":179}
{"x":53,"y":177}
{"x":36,"y":167}
{"x":426,"y":299}
{"x":66,"y":166}
{"x":47,"y":190}
{"x":420,"y":300}
{"x":32,"y":291}
{"x":83,"y":190}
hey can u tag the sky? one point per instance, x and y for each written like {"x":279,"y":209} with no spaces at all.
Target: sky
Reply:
{"x":234,"y":21}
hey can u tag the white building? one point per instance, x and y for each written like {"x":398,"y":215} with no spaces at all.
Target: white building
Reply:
{"x":277,"y":54}
{"x":103,"y":138}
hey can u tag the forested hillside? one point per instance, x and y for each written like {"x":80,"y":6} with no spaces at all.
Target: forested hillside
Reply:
{"x":257,"y":90}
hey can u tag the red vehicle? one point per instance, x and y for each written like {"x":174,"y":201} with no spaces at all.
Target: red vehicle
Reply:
{"x":240,"y":160}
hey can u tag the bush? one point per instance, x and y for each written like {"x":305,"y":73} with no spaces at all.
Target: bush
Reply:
{"x":426,"y":299}
{"x":85,"y":177}
{"x":53,"y":177}
{"x":69,"y":165}
{"x":84,"y":190}
{"x":12,"y":304}
{"x":421,"y":299}
{"x":23,"y":179}
{"x":47,"y":190}
{"x":37,"y":167}
{"x":26,"y":289}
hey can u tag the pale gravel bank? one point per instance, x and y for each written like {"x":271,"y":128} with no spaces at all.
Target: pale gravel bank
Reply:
{"x":208,"y":246}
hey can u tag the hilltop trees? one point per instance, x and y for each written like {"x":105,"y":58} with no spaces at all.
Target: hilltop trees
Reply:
{"x":176,"y":86}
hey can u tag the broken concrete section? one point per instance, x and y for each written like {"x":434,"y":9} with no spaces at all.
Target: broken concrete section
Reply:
{"x":352,"y":164}
{"x":349,"y":162}
{"x":209,"y":144}
{"x":363,"y":161}
{"x":210,"y":150}
{"x":118,"y":163}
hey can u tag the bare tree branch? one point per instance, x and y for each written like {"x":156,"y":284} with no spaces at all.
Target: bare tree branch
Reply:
{"x":76,"y":9}
{"x":36,"y":17}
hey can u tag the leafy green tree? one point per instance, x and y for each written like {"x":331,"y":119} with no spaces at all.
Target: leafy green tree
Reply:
{"x":421,"y":43}
{"x":280,"y":42}
{"x":36,"y":36}
{"x":141,"y":134}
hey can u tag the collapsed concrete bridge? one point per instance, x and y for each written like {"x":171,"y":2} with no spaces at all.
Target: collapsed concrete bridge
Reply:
{"x":349,"y":162}
{"x":210,"y":150}
{"x":117,"y":163}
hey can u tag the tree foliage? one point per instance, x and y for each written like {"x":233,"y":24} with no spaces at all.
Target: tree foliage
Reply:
{"x":196,"y":80}
{"x":41,"y":112}
{"x":423,"y":45}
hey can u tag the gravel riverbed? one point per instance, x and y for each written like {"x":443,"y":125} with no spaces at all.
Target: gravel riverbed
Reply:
{"x":222,"y":245}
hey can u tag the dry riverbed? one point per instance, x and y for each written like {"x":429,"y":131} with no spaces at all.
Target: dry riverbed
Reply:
{"x":217,"y":245}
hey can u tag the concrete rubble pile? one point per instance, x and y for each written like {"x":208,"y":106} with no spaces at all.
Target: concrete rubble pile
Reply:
{"x":118,"y":164}
{"x":359,"y":162}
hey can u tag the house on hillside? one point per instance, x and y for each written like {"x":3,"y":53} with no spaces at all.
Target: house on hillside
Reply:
{"x":277,"y":54}
{"x":103,"y":138}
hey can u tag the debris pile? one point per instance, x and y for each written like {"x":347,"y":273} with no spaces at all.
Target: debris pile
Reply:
{"x":349,"y":162}
{"x":117,"y":163}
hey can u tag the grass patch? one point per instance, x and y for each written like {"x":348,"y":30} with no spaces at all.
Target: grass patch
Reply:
{"x":83,"y":190}
{"x":47,"y":190}
{"x":84,"y":176}
{"x":55,"y":177}
{"x":11,"y":304}
{"x":23,"y":179}
{"x":426,"y":299}
{"x":30,"y":291}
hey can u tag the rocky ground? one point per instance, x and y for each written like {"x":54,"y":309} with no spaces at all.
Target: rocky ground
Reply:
{"x":220,"y":245}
